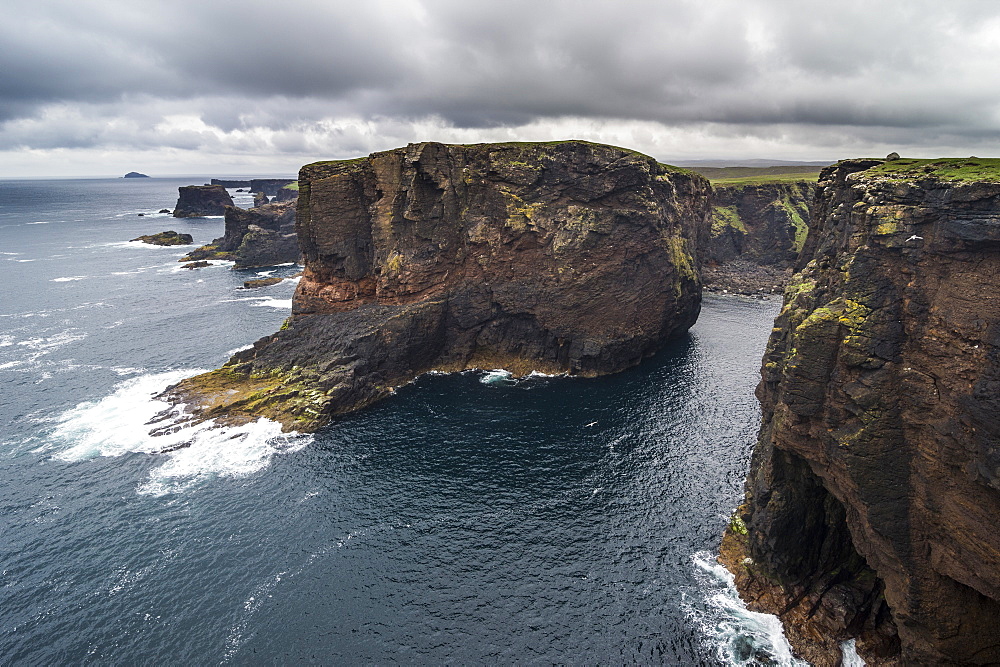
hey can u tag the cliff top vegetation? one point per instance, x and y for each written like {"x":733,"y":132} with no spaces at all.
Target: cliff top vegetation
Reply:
{"x":758,"y":175}
{"x":967,"y":170}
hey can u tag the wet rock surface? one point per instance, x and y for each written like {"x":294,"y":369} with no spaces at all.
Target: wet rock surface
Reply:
{"x":166,"y":238}
{"x":562,"y":257}
{"x":874,"y":489}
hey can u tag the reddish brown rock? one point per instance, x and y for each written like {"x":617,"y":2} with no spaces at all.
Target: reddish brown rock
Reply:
{"x":874,"y":490}
{"x":562,"y":257}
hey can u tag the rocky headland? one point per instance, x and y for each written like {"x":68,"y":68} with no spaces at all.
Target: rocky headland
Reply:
{"x":230,"y":183}
{"x":198,"y":201}
{"x":560,"y":257}
{"x":262,"y":236}
{"x":269,"y":186}
{"x":874,"y":490}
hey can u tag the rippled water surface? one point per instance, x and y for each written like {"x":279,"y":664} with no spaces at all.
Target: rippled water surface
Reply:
{"x":471,"y":518}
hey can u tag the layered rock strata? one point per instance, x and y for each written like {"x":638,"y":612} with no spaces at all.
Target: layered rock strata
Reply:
{"x":874,"y":489}
{"x":766,"y":223}
{"x":262,"y":236}
{"x":198,"y":201}
{"x":562,"y":257}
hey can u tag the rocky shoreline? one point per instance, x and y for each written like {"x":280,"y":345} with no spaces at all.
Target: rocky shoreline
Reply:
{"x":745,"y":278}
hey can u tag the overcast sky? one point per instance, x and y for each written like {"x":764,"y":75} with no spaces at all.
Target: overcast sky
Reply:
{"x":187,"y":86}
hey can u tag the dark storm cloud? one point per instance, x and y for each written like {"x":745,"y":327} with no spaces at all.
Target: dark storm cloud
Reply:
{"x":96,"y":73}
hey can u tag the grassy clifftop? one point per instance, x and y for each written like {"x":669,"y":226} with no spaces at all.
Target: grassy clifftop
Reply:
{"x":956,"y":170}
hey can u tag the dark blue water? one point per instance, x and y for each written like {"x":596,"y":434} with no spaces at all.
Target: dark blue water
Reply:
{"x":471,"y":518}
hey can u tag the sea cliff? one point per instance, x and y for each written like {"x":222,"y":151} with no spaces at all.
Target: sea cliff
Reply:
{"x":261,"y":236}
{"x":559,"y":257}
{"x":874,"y":489}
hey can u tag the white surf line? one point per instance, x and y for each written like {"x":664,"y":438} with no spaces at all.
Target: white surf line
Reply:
{"x":119,"y":424}
{"x":736,"y":632}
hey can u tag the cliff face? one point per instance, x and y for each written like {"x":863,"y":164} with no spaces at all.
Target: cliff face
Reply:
{"x":562,"y":257}
{"x":765,"y":222}
{"x":197,"y":201}
{"x":269,"y":186}
{"x":262,"y":236}
{"x":874,"y":490}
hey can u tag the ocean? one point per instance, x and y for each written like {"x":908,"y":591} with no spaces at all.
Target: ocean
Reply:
{"x":471,"y":518}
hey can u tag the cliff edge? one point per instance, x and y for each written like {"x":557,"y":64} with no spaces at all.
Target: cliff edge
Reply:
{"x":874,"y":489}
{"x":560,"y":257}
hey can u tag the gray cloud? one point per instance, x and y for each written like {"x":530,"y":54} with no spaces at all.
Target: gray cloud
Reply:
{"x":310,"y":75}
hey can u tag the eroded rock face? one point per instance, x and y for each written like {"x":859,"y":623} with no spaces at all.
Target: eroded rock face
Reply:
{"x":874,"y":490}
{"x":263,"y":236}
{"x":562,"y":257}
{"x":269,"y":186}
{"x":198,"y":201}
{"x":766,"y":223}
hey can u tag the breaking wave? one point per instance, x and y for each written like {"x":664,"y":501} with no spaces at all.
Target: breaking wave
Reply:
{"x":118,"y":424}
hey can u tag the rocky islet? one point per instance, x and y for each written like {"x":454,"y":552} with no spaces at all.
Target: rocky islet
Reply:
{"x":561,"y":257}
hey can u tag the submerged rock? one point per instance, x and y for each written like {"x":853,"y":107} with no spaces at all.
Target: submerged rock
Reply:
{"x":261,"y":282}
{"x":562,"y":257}
{"x":198,"y":201}
{"x":166,"y":238}
{"x":874,"y":489}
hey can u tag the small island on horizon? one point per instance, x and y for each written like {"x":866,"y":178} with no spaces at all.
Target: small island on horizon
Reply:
{"x":135,"y":174}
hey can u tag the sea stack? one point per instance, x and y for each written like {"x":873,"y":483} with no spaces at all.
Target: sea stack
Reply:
{"x":872,"y":501}
{"x":561,"y":257}
{"x":262,"y":236}
{"x":198,"y":201}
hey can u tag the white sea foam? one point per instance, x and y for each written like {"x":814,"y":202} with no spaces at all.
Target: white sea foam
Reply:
{"x":180,"y":268}
{"x":498,"y":376}
{"x":46,"y":344}
{"x":849,"y":655}
{"x":118,"y":424}
{"x":739,"y":636}
{"x":68,"y":279}
{"x":271,"y":302}
{"x":238,"y":349}
{"x":6,"y":340}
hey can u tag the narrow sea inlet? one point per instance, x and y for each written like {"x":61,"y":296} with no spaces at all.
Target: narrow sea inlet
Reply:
{"x":470,"y":518}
